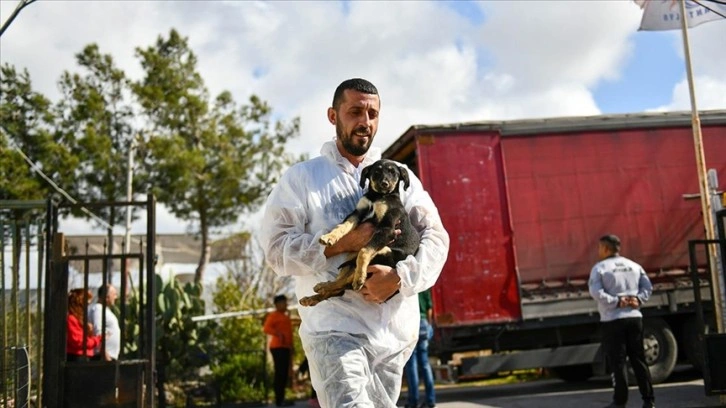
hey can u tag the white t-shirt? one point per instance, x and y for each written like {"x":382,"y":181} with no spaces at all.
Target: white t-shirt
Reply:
{"x":113,"y":332}
{"x":614,"y":277}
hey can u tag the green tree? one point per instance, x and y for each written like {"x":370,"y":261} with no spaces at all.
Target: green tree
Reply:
{"x":209,"y":160}
{"x":27,"y":128}
{"x":96,"y":118}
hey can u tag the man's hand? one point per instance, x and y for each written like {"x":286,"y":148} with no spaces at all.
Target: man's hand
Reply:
{"x":634,"y":302}
{"x":629,"y":301}
{"x":382,"y":283}
{"x":622,"y":301}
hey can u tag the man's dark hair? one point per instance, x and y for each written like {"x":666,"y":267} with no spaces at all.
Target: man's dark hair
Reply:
{"x":279,"y":298}
{"x":356,"y":84}
{"x":103,"y":291}
{"x":611,"y":242}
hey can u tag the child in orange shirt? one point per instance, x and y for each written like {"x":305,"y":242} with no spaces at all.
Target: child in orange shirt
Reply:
{"x":279,"y":327}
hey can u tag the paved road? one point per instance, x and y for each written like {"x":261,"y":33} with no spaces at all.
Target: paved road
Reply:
{"x":684,"y":390}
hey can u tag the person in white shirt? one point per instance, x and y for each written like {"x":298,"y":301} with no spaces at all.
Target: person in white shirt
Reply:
{"x":620,"y":286}
{"x":356,"y":344}
{"x":107,"y":296}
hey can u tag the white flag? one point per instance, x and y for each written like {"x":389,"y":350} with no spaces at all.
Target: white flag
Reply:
{"x":666,"y":14}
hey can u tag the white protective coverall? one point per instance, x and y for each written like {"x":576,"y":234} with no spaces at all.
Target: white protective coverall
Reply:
{"x":356,"y":349}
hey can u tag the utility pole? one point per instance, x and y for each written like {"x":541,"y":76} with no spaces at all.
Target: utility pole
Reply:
{"x":129,"y":208}
{"x":705,"y":191}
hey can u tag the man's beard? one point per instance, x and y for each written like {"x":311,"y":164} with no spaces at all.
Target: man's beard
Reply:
{"x":348,"y":142}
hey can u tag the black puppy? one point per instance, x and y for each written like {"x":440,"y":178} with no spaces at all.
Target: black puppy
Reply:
{"x":381,"y":205}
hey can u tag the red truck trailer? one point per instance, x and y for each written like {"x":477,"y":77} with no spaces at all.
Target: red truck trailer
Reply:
{"x":525,"y":201}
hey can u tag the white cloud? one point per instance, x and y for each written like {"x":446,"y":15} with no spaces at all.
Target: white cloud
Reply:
{"x":710,"y":94}
{"x":545,"y":44}
{"x":708,"y":59}
{"x":431,"y":64}
{"x":424,"y":57}
{"x":708,"y":48}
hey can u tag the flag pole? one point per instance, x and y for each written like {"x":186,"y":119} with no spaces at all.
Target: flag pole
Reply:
{"x":701,"y":170}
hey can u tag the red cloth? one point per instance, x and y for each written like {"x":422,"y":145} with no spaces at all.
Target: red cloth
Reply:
{"x":279,"y":326}
{"x":74,"y":338}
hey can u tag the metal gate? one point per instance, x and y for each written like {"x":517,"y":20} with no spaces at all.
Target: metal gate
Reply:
{"x":714,"y":344}
{"x":129,"y":380}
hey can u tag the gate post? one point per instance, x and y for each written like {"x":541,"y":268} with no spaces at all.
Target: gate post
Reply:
{"x":151,"y":288}
{"x":54,"y":336}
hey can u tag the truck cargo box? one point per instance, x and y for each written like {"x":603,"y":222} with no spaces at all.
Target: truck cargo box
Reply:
{"x":524,"y":201}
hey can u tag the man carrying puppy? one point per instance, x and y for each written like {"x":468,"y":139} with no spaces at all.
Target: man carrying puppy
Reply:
{"x":357,"y":344}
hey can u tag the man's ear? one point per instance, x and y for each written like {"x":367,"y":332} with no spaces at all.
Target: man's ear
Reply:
{"x":332,"y":116}
{"x":404,"y":177}
{"x":364,"y":176}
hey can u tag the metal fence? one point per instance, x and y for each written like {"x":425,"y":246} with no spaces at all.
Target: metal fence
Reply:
{"x":713,"y":344}
{"x":22,"y":266}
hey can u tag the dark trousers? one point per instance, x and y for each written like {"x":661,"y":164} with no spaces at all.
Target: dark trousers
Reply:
{"x":621,"y":338}
{"x":281,"y":359}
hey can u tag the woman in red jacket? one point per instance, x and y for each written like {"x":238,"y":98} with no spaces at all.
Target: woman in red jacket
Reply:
{"x":78,"y":300}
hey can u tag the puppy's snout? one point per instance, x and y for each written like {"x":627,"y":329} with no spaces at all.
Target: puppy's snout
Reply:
{"x":385,"y":184}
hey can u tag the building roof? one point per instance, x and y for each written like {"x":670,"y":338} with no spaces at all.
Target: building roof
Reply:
{"x":170,"y":248}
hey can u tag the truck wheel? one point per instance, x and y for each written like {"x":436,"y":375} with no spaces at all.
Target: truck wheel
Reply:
{"x":574,"y":373}
{"x":661,"y":350}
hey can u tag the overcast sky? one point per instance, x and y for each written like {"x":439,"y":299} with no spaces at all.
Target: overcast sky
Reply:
{"x":433,"y":62}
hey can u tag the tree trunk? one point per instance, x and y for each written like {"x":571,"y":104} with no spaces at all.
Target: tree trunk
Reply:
{"x":206,"y":252}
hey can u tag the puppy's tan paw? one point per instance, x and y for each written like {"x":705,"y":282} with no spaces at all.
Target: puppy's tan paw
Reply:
{"x":321,"y":287}
{"x":309,"y":301}
{"x":358,"y":281}
{"x":328,"y":240}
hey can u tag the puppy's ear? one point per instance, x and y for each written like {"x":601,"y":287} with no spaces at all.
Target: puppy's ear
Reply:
{"x":364,"y":175}
{"x":404,"y":176}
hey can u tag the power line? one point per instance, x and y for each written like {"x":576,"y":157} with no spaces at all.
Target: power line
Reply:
{"x":700,"y":3}
{"x":20,"y":6}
